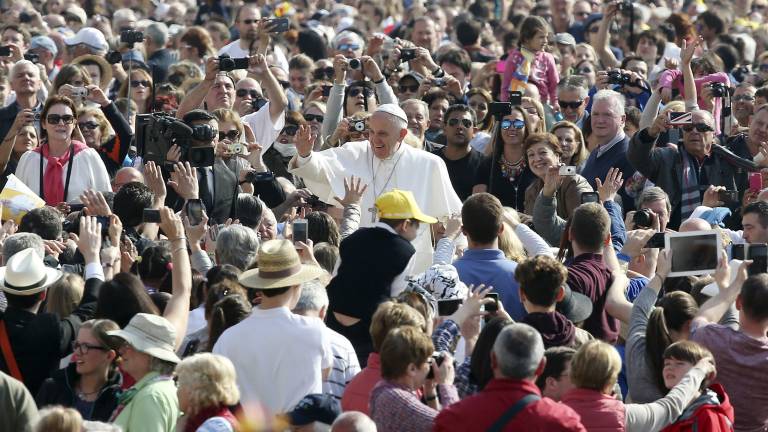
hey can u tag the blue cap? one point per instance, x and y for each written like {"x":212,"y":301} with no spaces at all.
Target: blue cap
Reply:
{"x":45,"y":43}
{"x":591,"y":19}
{"x":321,"y":408}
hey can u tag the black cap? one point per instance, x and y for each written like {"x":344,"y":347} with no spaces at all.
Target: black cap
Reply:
{"x":575,"y":306}
{"x":321,"y":408}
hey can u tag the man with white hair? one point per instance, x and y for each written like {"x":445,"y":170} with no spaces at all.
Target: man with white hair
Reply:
{"x":159,"y":58}
{"x":314,"y":303}
{"x":511,"y":400}
{"x":607,"y":119}
{"x":417,"y":112}
{"x":353,"y":421}
{"x":25,"y":82}
{"x":687,"y":172}
{"x":573,"y":99}
{"x":383,"y":163}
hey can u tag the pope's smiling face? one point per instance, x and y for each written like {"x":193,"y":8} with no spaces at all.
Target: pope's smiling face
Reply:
{"x":385,"y":135}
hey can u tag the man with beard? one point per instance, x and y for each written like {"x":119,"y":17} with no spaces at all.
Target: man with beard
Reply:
{"x":462,"y":161}
{"x":417,"y":112}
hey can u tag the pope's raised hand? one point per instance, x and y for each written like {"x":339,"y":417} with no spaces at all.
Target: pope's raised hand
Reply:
{"x":304,"y":141}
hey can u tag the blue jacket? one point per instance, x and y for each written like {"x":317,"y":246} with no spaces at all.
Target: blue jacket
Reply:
{"x":492,"y":268}
{"x":616,"y":156}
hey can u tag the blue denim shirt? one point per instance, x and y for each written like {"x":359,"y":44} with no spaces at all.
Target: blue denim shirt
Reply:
{"x":492,"y":268}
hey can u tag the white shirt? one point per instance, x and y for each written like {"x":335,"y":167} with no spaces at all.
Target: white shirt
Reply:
{"x":196,"y":319}
{"x":279,"y":357}
{"x":234,"y":50}
{"x":88,"y":172}
{"x":605,"y":147}
{"x":263,"y":129}
{"x":345,"y":365}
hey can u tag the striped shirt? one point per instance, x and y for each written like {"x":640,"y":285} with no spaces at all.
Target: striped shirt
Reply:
{"x":345,"y":365}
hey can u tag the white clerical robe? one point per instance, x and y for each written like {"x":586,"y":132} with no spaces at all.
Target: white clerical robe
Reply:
{"x":410,"y":169}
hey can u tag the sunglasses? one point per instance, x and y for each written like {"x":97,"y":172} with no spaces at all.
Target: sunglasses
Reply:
{"x":467,"y":123}
{"x":290,"y":130}
{"x":241,"y":93}
{"x":571,"y":105}
{"x":700,"y":127}
{"x":348,"y":47}
{"x":320,"y":73}
{"x":313,"y":117}
{"x":55,"y":119}
{"x":143,"y":83}
{"x":355,"y":91}
{"x":88,"y":125}
{"x":517,"y":124}
{"x":232,"y":135}
{"x":409,"y":88}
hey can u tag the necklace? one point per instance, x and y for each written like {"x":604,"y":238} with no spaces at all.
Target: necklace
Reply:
{"x":373,"y":210}
{"x":510,"y":170}
{"x":87,"y":395}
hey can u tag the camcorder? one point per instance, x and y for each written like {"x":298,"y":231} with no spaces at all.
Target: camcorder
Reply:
{"x":131,"y":37}
{"x":157,"y":132}
{"x":720,"y":90}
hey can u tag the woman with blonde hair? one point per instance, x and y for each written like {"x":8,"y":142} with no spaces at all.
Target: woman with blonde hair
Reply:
{"x":572,"y":144}
{"x":594,"y":371}
{"x":59,"y":419}
{"x":535,"y":115}
{"x":64,"y":295}
{"x":207,"y":387}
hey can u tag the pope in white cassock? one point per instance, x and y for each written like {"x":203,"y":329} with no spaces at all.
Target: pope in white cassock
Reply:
{"x":384,"y":162}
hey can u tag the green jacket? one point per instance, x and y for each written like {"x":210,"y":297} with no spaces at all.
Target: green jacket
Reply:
{"x":153,"y":406}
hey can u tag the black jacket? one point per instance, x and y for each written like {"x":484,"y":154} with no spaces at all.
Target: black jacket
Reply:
{"x":59,"y":389}
{"x":113,"y":152}
{"x":160,"y":61}
{"x":40,"y":340}
{"x":7,"y":117}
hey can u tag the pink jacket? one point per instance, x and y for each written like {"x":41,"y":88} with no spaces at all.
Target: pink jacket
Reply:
{"x":358,"y":392}
{"x":673,"y":78}
{"x":599,"y":412}
{"x":544,"y":75}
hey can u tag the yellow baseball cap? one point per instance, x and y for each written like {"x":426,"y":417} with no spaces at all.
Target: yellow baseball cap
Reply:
{"x":400,"y":204}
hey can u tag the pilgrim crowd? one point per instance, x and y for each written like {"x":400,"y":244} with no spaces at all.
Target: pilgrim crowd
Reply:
{"x":362,"y":215}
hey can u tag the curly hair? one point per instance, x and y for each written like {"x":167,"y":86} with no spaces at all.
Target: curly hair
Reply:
{"x":210,"y":380}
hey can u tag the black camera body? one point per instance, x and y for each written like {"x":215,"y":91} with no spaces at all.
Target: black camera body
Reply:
{"x":34,"y":58}
{"x":157,"y":132}
{"x":618,"y":78}
{"x":257,"y":103}
{"x":114,"y":57}
{"x":643,"y":218}
{"x":357,"y":126}
{"x":407,"y":54}
{"x":226,"y":63}
{"x":719,"y":89}
{"x":131,"y":37}
{"x":625,"y":6}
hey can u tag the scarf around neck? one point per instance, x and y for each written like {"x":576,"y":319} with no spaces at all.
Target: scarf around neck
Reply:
{"x":53,"y":185}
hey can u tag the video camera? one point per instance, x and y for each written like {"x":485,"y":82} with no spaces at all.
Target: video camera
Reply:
{"x":157,"y":132}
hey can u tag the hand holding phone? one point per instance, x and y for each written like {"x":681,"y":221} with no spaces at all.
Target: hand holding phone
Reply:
{"x":194,"y":209}
{"x":300,"y":233}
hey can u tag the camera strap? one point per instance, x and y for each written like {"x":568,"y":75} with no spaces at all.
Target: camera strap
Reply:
{"x":69,"y":173}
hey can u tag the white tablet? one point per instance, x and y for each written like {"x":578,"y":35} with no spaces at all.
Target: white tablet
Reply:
{"x":693,"y":253}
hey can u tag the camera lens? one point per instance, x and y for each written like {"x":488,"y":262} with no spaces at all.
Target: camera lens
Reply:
{"x":355,"y":64}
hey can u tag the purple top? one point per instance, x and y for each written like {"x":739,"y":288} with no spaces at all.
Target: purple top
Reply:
{"x":588,"y":275}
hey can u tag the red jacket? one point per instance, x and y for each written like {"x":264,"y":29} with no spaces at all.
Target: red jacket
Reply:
{"x":599,"y":412}
{"x":479,"y":412}
{"x":358,"y":392}
{"x":706,"y":414}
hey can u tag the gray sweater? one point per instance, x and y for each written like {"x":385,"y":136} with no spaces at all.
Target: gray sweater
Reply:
{"x":334,"y":110}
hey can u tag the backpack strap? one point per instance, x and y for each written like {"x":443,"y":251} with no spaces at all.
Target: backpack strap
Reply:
{"x":10,"y":360}
{"x":514,"y":410}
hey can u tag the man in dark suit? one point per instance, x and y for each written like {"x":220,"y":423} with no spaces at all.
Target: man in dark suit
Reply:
{"x":159,"y":58}
{"x":25,"y":82}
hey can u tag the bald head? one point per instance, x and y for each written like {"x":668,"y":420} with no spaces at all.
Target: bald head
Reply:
{"x":126,"y":175}
{"x":695,"y":224}
{"x":353,"y":421}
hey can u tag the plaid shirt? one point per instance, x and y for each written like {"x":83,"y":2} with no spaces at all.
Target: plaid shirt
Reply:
{"x":397,"y":409}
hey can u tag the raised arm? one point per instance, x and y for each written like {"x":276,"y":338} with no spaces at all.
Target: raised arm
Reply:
{"x":689,"y":83}
{"x":278,"y":102}
{"x":177,"y":310}
{"x":713,"y":309}
{"x":194,"y":98}
{"x":353,"y":193}
{"x":123,"y":132}
{"x":602,"y":46}
{"x":334,"y":108}
{"x":23,"y":118}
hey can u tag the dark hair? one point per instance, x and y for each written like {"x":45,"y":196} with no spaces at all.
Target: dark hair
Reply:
{"x":549,"y":139}
{"x":130,"y":202}
{"x":155,"y":266}
{"x":712,"y":20}
{"x":468,"y":31}
{"x":66,"y":73}
{"x":322,"y":228}
{"x":23,"y":301}
{"x":540,"y":279}
{"x":228,"y":311}
{"x":294,"y":118}
{"x":760,"y":208}
{"x":248,"y":209}
{"x":462,"y":109}
{"x":729,"y":55}
{"x":200,"y":39}
{"x":482,"y":217}
{"x":122,"y":298}
{"x":49,"y":103}
{"x":313,"y":44}
{"x":457,"y":57}
{"x":656,"y":38}
{"x":43,"y":221}
{"x":754,"y":297}
{"x":480,"y":370}
{"x":557,"y":358}
{"x":531,"y":24}
{"x":326,"y":255}
{"x":590,"y":225}
{"x":671,"y":313}
{"x":761,"y":92}
{"x":220,"y":290}
{"x":274,"y":292}
{"x":480,"y":9}
{"x":632,"y":116}
{"x":437,"y":94}
{"x":160,"y":299}
{"x":353,"y":84}
{"x":197,"y":115}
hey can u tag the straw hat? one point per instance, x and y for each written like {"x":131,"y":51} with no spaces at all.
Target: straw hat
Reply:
{"x":150,"y":334}
{"x":279,"y":267}
{"x":26,"y":274}
{"x":106,"y":68}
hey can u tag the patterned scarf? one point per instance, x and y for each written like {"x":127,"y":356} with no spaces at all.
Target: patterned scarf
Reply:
{"x":691,"y":197}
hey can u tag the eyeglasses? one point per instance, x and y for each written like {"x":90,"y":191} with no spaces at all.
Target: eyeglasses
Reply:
{"x":700,"y":127}
{"x":55,"y":119}
{"x":348,"y":47}
{"x":467,"y":123}
{"x":83,"y":348}
{"x":241,"y":93}
{"x":88,"y":125}
{"x":517,"y":124}
{"x":409,"y":88}
{"x":143,"y":83}
{"x":326,"y":72}
{"x":355,"y":91}
{"x":290,"y":130}
{"x":743,"y":98}
{"x":313,"y":117}
{"x":571,"y":105}
{"x":232,"y":135}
